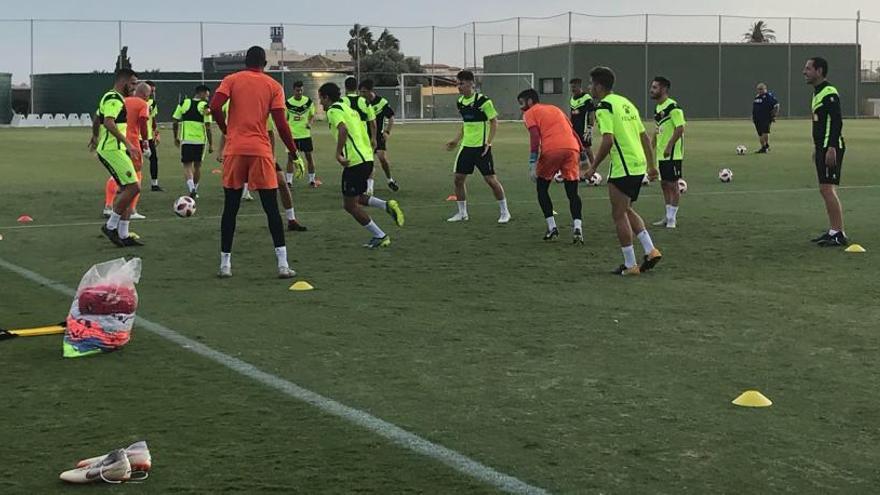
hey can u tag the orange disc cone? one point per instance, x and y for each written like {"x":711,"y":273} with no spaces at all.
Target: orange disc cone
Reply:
{"x":25,"y":219}
{"x":452,"y":197}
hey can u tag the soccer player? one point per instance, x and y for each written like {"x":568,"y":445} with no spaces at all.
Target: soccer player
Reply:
{"x":248,"y":154}
{"x":480,"y":122}
{"x":625,"y":140}
{"x":300,"y":116}
{"x":109,"y":140}
{"x":355,"y":155}
{"x":192,"y":129}
{"x":384,"y":113}
{"x":829,"y":147}
{"x":764,"y":110}
{"x":668,"y":146}
{"x":359,"y":104}
{"x":137,"y":110}
{"x":582,"y":116}
{"x":552,"y":136}
{"x":153,"y":138}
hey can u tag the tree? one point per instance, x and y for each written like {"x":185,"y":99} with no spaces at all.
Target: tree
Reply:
{"x":122,"y":60}
{"x":759,"y":33}
{"x":383,"y":66}
{"x":360,"y":42}
{"x":387,"y":41}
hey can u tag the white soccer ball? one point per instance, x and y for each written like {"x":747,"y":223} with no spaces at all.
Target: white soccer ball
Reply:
{"x":558,"y":177}
{"x":595,"y":180}
{"x":741,"y":149}
{"x":185,"y":206}
{"x":725,"y":175}
{"x":682,"y":186}
{"x":645,"y":180}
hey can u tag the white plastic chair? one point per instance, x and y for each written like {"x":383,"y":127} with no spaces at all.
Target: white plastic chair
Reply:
{"x":17,"y":120}
{"x":32,"y":120}
{"x":85,"y":120}
{"x":73,"y":120}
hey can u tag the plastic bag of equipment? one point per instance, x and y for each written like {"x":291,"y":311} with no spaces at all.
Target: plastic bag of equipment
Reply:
{"x":103,"y":311}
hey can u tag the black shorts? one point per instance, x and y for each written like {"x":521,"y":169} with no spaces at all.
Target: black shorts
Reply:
{"x":470,"y":157}
{"x":381,"y":145}
{"x":762,"y":126}
{"x":670,"y":170}
{"x":629,"y":185}
{"x":826,"y":174}
{"x":354,"y":179}
{"x":304,"y":144}
{"x":191,"y":153}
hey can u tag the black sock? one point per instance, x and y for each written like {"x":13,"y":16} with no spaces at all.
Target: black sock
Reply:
{"x":268,"y":197}
{"x":574,"y":199}
{"x":231,"y":203}
{"x":154,"y":161}
{"x":544,"y":200}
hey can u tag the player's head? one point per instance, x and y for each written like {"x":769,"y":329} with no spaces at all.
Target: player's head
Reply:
{"x":152,"y":86}
{"x":298,"y":89}
{"x":601,"y":81}
{"x":576,"y":86}
{"x":659,"y":88}
{"x":202,"y":92}
{"x":366,"y":88}
{"x":255,"y":58}
{"x":125,"y":81}
{"x":527,"y":99}
{"x":761,"y":88}
{"x":143,"y":90}
{"x":815,"y":70}
{"x":466,"y":82}
{"x":351,"y":84}
{"x":328,"y":94}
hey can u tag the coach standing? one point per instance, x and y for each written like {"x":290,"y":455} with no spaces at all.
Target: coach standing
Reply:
{"x":764,"y":110}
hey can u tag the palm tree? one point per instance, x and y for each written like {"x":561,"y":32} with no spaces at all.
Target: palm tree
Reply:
{"x":759,"y":33}
{"x":361,"y":41}
{"x":387,"y":41}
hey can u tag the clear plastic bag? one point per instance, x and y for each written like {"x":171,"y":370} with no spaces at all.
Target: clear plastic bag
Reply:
{"x":103,"y":311}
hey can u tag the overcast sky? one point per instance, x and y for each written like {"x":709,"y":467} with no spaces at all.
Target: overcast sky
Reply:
{"x":83,"y":47}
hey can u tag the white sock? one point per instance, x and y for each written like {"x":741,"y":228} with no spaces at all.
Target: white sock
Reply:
{"x":551,"y":222}
{"x":225,"y":259}
{"x":502,"y":204}
{"x":645,"y":239}
{"x":375,"y":230}
{"x":190,"y":185}
{"x":462,"y":207}
{"x":312,"y":177}
{"x":196,"y":184}
{"x":245,"y":190}
{"x":370,"y":183}
{"x":578,"y":224}
{"x":123,"y":229}
{"x":113,"y":221}
{"x":281,"y":254}
{"x":629,"y":256}
{"x":390,"y":180}
{"x":671,"y":211}
{"x":376,"y":202}
{"x":832,"y":232}
{"x":289,"y":176}
{"x":154,"y":182}
{"x":290,"y":214}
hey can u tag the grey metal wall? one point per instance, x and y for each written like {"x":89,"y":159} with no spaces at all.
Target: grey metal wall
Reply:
{"x":709,"y":80}
{"x":5,"y":98}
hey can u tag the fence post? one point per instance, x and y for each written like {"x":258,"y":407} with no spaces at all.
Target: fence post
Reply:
{"x":788,"y":90}
{"x":858,"y":65}
{"x":474,"y":28}
{"x":119,"y":34}
{"x":281,"y":59}
{"x":202,"y":49}
{"x":719,"y":66}
{"x":570,"y":51}
{"x":433,"y":69}
{"x":32,"y":68}
{"x":357,"y":51}
{"x":464,"y":51}
{"x":645,"y":97}
{"x":518,"y":19}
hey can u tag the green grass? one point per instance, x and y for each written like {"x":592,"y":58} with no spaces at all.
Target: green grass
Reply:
{"x":526,"y":356}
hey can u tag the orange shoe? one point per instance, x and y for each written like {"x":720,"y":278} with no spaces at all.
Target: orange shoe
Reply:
{"x":651,"y":259}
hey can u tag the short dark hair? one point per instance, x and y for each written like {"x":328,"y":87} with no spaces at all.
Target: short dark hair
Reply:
{"x":465,"y":75}
{"x":528,"y":94}
{"x":330,"y":90}
{"x":201,"y":88}
{"x":662,"y":81}
{"x":603,"y":76}
{"x":820,"y":63}
{"x":151,"y":84}
{"x":351,"y":83}
{"x":255,"y":57}
{"x":576,"y":80}
{"x":367,"y":84}
{"x":297,"y":84}
{"x":125,"y":73}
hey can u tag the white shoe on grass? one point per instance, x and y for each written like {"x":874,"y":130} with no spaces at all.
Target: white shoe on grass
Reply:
{"x":112,"y":468}
{"x":137,"y":216}
{"x":458,"y":217}
{"x":504,"y":218}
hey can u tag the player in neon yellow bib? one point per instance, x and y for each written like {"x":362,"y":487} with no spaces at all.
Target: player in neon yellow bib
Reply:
{"x":624,"y":139}
{"x":668,"y":147}
{"x":192,"y":130}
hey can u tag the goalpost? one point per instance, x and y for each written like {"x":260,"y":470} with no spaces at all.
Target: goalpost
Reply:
{"x":432,"y":97}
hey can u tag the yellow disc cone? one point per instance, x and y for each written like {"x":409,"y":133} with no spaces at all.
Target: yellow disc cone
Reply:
{"x":301,"y":285}
{"x":752,"y":398}
{"x":855,"y":248}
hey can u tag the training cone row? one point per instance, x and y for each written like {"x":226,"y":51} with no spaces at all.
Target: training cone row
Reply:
{"x":855,"y":248}
{"x":752,"y":398}
{"x":25,"y":219}
{"x":301,"y":285}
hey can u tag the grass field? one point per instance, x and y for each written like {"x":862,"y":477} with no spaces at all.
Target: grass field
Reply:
{"x":526,"y":356}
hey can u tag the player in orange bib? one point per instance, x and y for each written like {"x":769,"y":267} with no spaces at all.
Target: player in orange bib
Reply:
{"x":137,"y":114}
{"x":554,"y":148}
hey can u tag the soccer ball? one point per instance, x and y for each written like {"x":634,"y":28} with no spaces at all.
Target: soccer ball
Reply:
{"x":558,"y":177}
{"x":595,"y":180}
{"x":185,"y":206}
{"x":725,"y":175}
{"x":741,"y":149}
{"x":682,"y":186}
{"x":645,"y":180}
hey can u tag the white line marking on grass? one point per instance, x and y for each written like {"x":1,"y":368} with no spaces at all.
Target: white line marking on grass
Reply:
{"x":457,"y":461}
{"x":438,"y":204}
